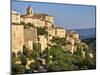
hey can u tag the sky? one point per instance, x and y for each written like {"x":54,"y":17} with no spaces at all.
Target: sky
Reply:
{"x":65,"y":15}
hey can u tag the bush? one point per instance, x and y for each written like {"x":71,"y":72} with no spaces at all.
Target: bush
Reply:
{"x":18,"y":69}
{"x":59,"y":41}
{"x":23,"y":60}
{"x":35,"y":66}
{"x":41,"y":31}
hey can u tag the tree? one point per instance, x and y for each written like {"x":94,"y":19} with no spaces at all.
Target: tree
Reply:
{"x":41,"y":31}
{"x":59,"y":41}
{"x":29,"y":25}
{"x":37,"y":47}
{"x":61,"y":60}
{"x":23,"y":60}
{"x":35,"y":65}
{"x":89,"y":62}
{"x":17,"y":68}
{"x":48,"y":56}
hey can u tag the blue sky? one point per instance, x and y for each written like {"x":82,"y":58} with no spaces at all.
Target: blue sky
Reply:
{"x":65,"y":15}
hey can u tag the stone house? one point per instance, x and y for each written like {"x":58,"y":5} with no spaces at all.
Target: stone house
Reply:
{"x":60,"y":32}
{"x":75,"y":34}
{"x":15,"y":17}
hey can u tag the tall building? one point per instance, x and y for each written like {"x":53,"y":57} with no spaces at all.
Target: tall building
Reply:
{"x":29,"y":11}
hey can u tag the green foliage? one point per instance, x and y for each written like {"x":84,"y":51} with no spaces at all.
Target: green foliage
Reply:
{"x":27,"y":25}
{"x":91,"y":42}
{"x":23,"y":59}
{"x":35,"y":55}
{"x":13,"y":55}
{"x":59,"y":41}
{"x":35,"y":66}
{"x":64,"y":60}
{"x":17,"y":69}
{"x":61,"y":60}
{"x":27,"y":53}
{"x":57,"y":59}
{"x":90,"y":62}
{"x":37,"y":47}
{"x":48,"y":56}
{"x":41,"y":31}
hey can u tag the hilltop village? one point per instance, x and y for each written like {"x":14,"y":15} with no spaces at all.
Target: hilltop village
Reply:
{"x":36,"y":28}
{"x":27,"y":36}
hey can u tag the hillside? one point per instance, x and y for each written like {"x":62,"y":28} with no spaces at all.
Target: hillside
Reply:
{"x":86,"y":33}
{"x":91,"y":42}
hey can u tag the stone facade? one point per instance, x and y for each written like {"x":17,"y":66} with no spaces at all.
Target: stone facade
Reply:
{"x":72,"y":38}
{"x":26,"y":20}
{"x":49,"y":19}
{"x":43,"y":41}
{"x":17,"y":38}
{"x":30,"y":37}
{"x":37,"y":20}
{"x":15,"y":17}
{"x":41,"y":20}
{"x":75,"y":35}
{"x":60,"y":32}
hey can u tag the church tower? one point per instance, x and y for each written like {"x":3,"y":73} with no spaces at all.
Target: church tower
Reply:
{"x":29,"y":11}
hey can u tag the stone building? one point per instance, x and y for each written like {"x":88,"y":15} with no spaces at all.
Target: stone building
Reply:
{"x":43,"y":41}
{"x":75,"y":34}
{"x":29,"y":11}
{"x":17,"y":38}
{"x":57,"y":32}
{"x":36,"y":19}
{"x":15,"y":17}
{"x":30,"y":37}
{"x":60,"y":32}
{"x":72,"y":38}
{"x":42,"y":20}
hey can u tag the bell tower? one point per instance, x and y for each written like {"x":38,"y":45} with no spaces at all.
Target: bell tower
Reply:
{"x":29,"y":11}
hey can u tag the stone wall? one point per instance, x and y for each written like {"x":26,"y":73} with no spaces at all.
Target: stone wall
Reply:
{"x":30,"y":37}
{"x":15,"y":17}
{"x":43,"y":41}
{"x":17,"y":38}
{"x":50,"y":19}
{"x":60,"y":32}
